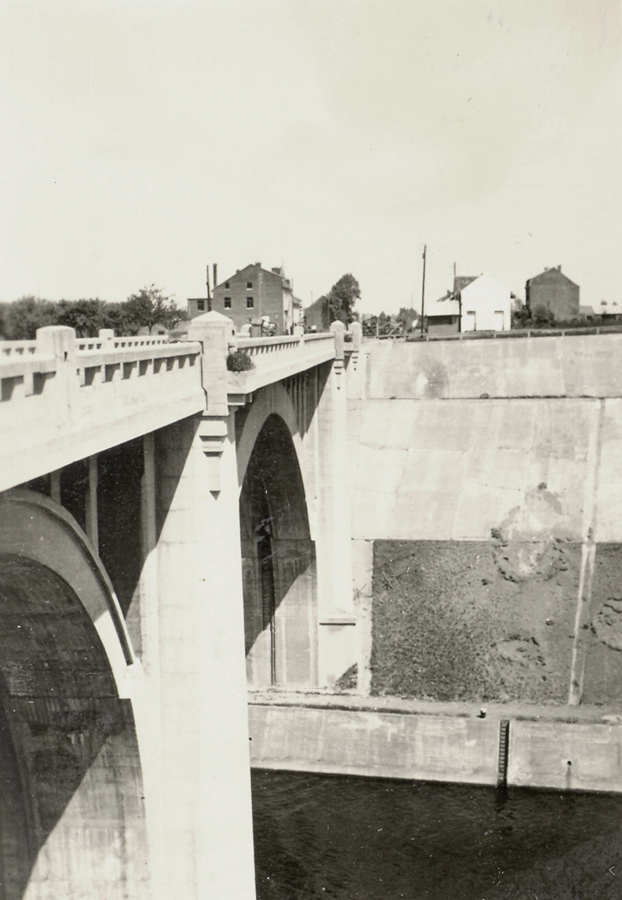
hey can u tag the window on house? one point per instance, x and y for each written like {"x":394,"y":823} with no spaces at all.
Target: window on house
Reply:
{"x":249,"y":302}
{"x":249,"y":285}
{"x":227,"y":303}
{"x":201,"y":304}
{"x":227,"y":285}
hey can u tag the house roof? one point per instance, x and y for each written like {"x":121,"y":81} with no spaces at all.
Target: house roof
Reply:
{"x":254,"y":267}
{"x":444,"y":306}
{"x":485,"y":278}
{"x":555,"y":272}
{"x":461,"y":281}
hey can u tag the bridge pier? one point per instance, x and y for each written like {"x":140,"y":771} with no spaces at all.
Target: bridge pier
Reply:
{"x":203,"y":836}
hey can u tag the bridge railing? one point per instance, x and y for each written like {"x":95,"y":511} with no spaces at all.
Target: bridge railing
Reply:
{"x":68,"y":396}
{"x":258,"y":347}
{"x":106,"y":356}
{"x":105,"y":340}
{"x":17,"y":348}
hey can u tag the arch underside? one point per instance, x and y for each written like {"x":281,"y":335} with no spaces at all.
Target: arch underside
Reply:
{"x":71,"y":809}
{"x":278,"y":564}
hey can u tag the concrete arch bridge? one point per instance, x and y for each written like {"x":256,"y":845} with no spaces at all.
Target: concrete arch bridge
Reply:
{"x":135,"y":476}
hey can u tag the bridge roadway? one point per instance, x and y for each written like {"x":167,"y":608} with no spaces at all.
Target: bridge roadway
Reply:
{"x":135,"y":474}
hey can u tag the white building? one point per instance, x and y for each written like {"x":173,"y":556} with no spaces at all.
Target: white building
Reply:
{"x":485,"y":305}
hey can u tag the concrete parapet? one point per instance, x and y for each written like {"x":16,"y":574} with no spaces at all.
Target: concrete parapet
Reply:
{"x":572,"y":366}
{"x":66,"y":399}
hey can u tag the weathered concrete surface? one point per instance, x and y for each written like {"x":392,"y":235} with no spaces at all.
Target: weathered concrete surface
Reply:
{"x":603,"y":666}
{"x":500,"y":464}
{"x":454,"y":470}
{"x":388,"y":745}
{"x":474,"y":620}
{"x":566,"y":756}
{"x":395,"y":738}
{"x":572,"y":366}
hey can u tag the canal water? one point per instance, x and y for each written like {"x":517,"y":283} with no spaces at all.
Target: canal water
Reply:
{"x":320,"y":836}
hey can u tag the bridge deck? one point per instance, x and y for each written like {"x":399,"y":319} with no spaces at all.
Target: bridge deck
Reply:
{"x":64,"y":399}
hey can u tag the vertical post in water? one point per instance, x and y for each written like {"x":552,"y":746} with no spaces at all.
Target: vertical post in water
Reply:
{"x":502,"y":765}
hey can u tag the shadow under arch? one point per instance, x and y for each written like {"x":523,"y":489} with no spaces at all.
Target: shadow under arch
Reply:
{"x":278,"y":564}
{"x":70,"y":777}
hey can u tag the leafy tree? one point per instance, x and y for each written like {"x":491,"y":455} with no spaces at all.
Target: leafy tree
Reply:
{"x":408,"y":317}
{"x":86,"y":317}
{"x":114,"y":316}
{"x":22,"y":317}
{"x":150,"y":307}
{"x":341,"y":299}
{"x":521,"y":317}
{"x":3,"y":320}
{"x":543,"y":317}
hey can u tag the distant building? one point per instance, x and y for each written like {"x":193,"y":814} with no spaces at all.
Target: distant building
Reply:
{"x":485,"y":305}
{"x":253,"y":296}
{"x":477,"y":303}
{"x":443,"y":316}
{"x":316,"y":316}
{"x":555,"y":292}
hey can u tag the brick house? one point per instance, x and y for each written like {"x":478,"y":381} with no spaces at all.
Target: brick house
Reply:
{"x":555,"y":292}
{"x":253,"y":295}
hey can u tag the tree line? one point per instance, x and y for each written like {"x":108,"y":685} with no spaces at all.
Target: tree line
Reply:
{"x":141,"y":311}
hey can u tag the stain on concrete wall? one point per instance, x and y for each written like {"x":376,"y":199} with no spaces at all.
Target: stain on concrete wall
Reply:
{"x":474,"y":620}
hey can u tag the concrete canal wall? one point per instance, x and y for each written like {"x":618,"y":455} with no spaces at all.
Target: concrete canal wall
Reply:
{"x":313,"y":735}
{"x":487,"y":519}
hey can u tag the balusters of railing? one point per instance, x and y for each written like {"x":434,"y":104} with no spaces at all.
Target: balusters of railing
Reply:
{"x":18,"y":348}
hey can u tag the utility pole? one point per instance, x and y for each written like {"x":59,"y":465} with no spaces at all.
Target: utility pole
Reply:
{"x":423,"y":287}
{"x":209,"y":293}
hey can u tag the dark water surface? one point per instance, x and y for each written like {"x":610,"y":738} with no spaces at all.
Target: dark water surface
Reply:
{"x":321,"y":836}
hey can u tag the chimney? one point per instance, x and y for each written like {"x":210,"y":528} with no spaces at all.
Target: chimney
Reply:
{"x":215,"y":270}
{"x":559,"y":268}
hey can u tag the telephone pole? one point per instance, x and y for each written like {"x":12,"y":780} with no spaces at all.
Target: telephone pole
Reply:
{"x":423,"y":287}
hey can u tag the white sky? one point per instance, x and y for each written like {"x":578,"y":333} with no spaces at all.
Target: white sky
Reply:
{"x":140,"y":141}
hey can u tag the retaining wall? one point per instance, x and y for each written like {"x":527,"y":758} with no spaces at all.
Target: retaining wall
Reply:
{"x":487,"y":519}
{"x":458,"y":748}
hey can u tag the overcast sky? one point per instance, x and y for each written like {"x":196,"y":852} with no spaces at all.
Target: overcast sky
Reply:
{"x":140,"y":141}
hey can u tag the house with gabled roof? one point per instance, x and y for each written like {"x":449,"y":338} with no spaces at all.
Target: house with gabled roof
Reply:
{"x":477,"y":303}
{"x":555,"y":292}
{"x":485,"y":305}
{"x":255,"y":296}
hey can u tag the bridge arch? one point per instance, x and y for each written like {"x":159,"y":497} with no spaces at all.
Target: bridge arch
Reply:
{"x":68,"y":743}
{"x":278,"y":553}
{"x":271,"y":400}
